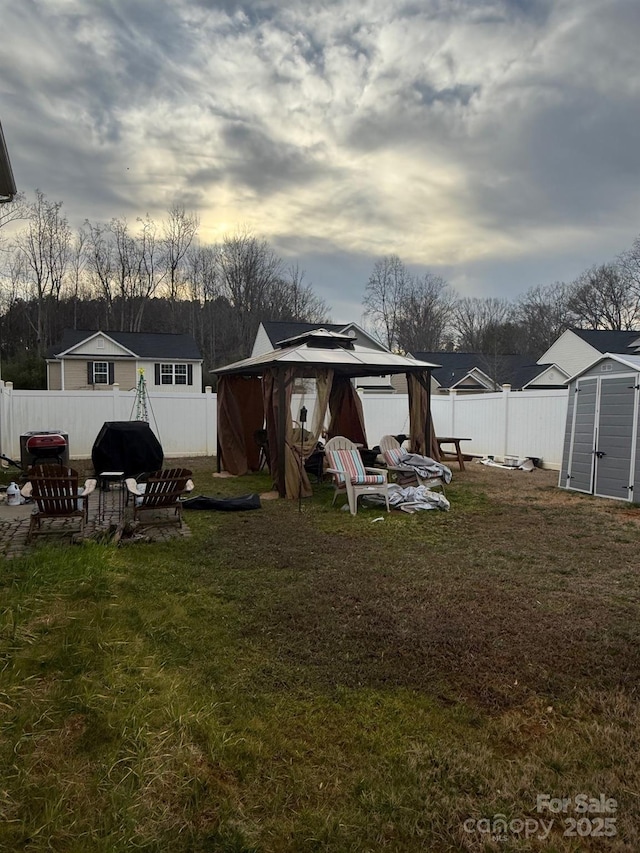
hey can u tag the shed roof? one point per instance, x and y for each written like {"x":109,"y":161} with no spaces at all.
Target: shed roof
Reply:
{"x":632,"y":361}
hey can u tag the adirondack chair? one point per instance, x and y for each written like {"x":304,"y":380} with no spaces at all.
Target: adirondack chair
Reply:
{"x":351,"y":476}
{"x":54,"y":488}
{"x":160,"y":491}
{"x":391,"y":451}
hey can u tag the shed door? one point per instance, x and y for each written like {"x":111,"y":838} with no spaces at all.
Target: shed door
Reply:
{"x":581,"y":459}
{"x":615,"y":438}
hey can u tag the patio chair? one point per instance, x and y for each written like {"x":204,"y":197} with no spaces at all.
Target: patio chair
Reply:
{"x":54,"y":488}
{"x":351,"y":476}
{"x":160,"y":491}
{"x":391,"y":451}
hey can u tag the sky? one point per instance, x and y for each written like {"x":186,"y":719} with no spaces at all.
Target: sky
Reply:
{"x":492,"y":142}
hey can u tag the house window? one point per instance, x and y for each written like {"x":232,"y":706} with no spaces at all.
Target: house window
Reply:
{"x":174,"y":374}
{"x":100,"y":373}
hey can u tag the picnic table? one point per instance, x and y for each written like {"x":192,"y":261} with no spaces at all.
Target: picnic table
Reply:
{"x":448,"y":454}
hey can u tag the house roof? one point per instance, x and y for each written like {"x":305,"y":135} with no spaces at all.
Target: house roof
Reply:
{"x":516,"y":370}
{"x":309,"y":352}
{"x":142,"y":344}
{"x":282,"y":330}
{"x":605,"y":340}
{"x":7,"y":183}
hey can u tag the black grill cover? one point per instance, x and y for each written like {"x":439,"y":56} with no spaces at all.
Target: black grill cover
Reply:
{"x":128,"y":446}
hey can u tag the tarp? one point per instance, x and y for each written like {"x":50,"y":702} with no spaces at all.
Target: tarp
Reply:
{"x":242,"y":502}
{"x":128,"y":446}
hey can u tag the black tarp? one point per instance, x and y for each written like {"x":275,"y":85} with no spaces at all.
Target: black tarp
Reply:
{"x":242,"y":502}
{"x":128,"y":446}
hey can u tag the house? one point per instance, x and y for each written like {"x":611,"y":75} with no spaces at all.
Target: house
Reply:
{"x":7,"y":183}
{"x":271,"y":332}
{"x":96,"y":360}
{"x":576,"y":349}
{"x":476,"y":373}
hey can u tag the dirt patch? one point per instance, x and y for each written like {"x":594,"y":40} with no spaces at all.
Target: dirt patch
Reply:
{"x":534,"y":593}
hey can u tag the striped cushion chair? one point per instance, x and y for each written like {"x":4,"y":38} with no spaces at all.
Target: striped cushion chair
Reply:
{"x":404,"y":475}
{"x":350,"y":476}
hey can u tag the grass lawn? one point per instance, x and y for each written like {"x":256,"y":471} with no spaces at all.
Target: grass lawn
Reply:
{"x":308,"y":681}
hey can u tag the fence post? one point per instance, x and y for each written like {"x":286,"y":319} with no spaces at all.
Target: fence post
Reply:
{"x":452,"y":420}
{"x":7,"y":413}
{"x":115,"y":389}
{"x":506,"y":390}
{"x":208,"y":398}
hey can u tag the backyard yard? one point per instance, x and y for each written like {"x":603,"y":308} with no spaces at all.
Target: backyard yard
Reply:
{"x":302,"y":680}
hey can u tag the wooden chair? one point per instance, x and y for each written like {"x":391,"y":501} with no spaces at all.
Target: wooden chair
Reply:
{"x":392,"y":452}
{"x":54,"y":488}
{"x":160,"y":491}
{"x":351,"y":476}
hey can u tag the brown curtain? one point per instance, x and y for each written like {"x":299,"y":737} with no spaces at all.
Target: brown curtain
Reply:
{"x":277,"y":387}
{"x":420,"y":416}
{"x":240,"y":414}
{"x":347,"y":417}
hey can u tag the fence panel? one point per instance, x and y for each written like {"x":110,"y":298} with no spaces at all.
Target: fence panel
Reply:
{"x":517,"y":423}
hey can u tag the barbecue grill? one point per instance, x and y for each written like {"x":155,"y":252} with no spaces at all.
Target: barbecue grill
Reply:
{"x":41,"y":446}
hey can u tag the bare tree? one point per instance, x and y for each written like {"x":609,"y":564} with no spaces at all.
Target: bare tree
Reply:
{"x":100,"y":264}
{"x":178,"y":233}
{"x":247,"y":268}
{"x":476,"y":321}
{"x":542,"y":314}
{"x":604,"y":298}
{"x":425,"y":316}
{"x":384,"y":296}
{"x":44,"y":245}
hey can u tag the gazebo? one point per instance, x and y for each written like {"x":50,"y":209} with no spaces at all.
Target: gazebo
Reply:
{"x":258,"y":390}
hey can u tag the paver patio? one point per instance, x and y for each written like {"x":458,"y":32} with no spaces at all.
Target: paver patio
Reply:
{"x":14,"y":525}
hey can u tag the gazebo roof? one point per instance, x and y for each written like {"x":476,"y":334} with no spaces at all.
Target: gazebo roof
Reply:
{"x":323,"y":349}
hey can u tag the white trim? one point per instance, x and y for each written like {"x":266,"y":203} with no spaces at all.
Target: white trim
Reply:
{"x":600,"y":380}
{"x":588,"y":491}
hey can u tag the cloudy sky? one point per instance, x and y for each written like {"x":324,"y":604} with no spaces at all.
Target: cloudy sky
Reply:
{"x":495,"y":142}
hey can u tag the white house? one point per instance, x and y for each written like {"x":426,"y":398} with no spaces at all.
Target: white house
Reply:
{"x":96,"y":360}
{"x":576,"y":349}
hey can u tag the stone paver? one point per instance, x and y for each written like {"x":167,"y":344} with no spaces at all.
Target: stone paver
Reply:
{"x":14,"y":526}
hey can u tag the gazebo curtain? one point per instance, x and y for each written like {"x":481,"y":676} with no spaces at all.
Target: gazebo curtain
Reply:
{"x":420,"y":416}
{"x":240,"y":414}
{"x":347,"y":417}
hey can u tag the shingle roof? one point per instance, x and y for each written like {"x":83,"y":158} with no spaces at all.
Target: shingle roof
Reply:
{"x":607,"y":341}
{"x":143,"y":344}
{"x":516,"y":370}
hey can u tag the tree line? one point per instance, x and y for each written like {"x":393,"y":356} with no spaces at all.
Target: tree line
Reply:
{"x":147,"y":276}
{"x":423,"y":313}
{"x":159,"y":276}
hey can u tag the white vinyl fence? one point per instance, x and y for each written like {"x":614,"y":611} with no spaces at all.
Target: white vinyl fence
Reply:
{"x":507,"y":423}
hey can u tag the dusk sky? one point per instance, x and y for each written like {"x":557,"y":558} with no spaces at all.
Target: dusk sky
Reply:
{"x":494,"y":142}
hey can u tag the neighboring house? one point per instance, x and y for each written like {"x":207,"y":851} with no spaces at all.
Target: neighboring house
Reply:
{"x":576,"y":349}
{"x":476,"y":373}
{"x":7,"y":183}
{"x":271,"y":332}
{"x":95,"y":361}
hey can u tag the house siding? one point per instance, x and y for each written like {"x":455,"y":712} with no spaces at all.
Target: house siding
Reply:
{"x":570,"y":353}
{"x":75,"y":374}
{"x":90,"y":348}
{"x":54,"y":376}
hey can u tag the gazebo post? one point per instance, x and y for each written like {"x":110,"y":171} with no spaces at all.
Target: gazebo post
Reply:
{"x":427,"y":437}
{"x":282,"y":433}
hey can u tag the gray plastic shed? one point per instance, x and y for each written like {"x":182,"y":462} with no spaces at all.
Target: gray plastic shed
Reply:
{"x":601,"y":455}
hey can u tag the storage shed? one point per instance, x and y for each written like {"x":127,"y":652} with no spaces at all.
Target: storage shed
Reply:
{"x":601,"y":455}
